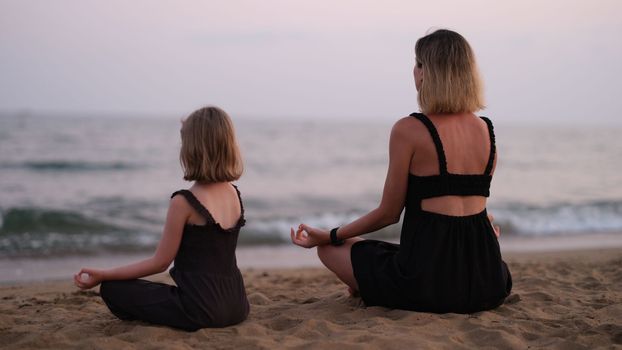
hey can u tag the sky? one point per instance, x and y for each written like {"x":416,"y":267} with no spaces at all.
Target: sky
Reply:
{"x":554,"y":61}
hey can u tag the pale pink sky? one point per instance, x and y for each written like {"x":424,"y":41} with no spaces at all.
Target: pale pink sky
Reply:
{"x":549,"y":60}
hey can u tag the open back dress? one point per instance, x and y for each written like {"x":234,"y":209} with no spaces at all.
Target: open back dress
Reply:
{"x":210,"y":289}
{"x":443,"y":263}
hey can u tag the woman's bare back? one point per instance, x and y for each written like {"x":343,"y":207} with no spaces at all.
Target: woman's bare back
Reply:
{"x":466,"y":144}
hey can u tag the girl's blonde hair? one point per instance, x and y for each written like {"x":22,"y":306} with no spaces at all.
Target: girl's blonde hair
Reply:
{"x":209,"y":151}
{"x":451,"y":81}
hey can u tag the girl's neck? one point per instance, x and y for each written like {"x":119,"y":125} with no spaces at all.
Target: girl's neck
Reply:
{"x":203,"y":184}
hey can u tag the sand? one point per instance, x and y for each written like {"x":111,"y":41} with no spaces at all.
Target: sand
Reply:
{"x":563,"y":300}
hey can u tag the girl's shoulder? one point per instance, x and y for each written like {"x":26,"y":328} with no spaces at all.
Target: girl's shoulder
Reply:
{"x":200,"y":190}
{"x":182,"y":198}
{"x":179,"y":195}
{"x":181,"y":205}
{"x":198,"y":194}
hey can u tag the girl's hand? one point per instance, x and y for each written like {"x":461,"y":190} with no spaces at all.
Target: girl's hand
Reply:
{"x":88,"y":278}
{"x":309,"y":237}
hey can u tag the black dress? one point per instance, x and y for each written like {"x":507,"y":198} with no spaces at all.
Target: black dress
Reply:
{"x":443,"y":263}
{"x":210,"y":290}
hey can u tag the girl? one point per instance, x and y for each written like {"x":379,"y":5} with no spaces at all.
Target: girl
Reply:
{"x":441,"y":163}
{"x":200,"y":234}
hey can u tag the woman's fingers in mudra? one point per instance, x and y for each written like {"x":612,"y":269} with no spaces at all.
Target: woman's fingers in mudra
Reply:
{"x":306,"y":236}
{"x":299,"y":238}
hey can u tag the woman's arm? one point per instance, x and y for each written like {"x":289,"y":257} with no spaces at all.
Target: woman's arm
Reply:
{"x":396,"y":184}
{"x":401,"y":148}
{"x":178,"y":213}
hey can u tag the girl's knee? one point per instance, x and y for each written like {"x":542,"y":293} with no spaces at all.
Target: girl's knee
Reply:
{"x":108,"y":289}
{"x":104,"y":288}
{"x":113,"y":298}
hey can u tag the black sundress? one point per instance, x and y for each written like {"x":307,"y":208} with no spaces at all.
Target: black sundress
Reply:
{"x":210,"y":289}
{"x":443,"y":263}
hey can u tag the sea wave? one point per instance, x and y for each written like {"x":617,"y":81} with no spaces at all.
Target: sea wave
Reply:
{"x":37,"y":220}
{"x":37,"y":231}
{"x":513,"y":218}
{"x":28,"y":231}
{"x":69,"y":165}
{"x":561,"y":218}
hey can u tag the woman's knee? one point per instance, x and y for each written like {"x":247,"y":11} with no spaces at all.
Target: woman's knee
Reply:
{"x":327,"y":252}
{"x":337,"y":259}
{"x":324,"y":252}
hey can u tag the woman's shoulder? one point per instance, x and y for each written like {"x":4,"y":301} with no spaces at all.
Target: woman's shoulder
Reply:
{"x":408,"y":126}
{"x":407,"y":122}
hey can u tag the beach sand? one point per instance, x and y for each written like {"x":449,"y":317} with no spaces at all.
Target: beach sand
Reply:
{"x":560,"y":300}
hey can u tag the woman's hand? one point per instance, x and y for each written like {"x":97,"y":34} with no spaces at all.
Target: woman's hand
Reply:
{"x":309,"y":237}
{"x":496,"y":228}
{"x":88,"y":278}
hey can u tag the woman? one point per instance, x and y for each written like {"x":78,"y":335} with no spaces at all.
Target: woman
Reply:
{"x":441,"y":163}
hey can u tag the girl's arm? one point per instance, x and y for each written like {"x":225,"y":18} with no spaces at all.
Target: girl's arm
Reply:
{"x":178,"y":213}
{"x":401,"y":148}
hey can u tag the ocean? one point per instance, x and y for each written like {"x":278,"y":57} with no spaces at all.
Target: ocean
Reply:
{"x":75,"y":185}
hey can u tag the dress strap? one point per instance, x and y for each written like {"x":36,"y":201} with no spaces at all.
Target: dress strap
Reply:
{"x":194,"y":202}
{"x":442,"y":160}
{"x":493,"y":148}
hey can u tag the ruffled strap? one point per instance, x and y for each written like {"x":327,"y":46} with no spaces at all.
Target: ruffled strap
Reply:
{"x":442,"y":160}
{"x":240,"y":199}
{"x":194,"y":202}
{"x":493,"y":148}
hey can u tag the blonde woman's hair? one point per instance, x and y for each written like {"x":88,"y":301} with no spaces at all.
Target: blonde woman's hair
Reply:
{"x":451,"y":81}
{"x":209,"y":151}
